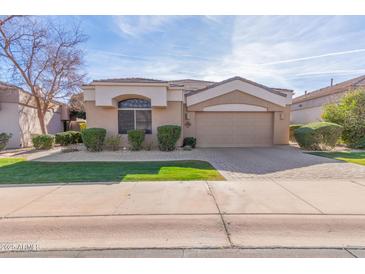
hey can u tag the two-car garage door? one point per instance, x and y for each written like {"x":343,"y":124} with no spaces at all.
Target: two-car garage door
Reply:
{"x":234,"y":129}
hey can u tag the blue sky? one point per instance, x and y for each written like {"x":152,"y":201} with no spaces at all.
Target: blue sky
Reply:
{"x":296,"y":52}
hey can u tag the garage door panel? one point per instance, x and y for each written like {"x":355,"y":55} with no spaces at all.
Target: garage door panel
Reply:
{"x":234,"y":129}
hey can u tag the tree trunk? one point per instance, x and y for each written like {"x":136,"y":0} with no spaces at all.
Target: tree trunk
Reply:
{"x":42,"y":121}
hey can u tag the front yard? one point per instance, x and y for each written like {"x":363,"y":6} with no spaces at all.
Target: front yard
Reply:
{"x":18,"y":170}
{"x":351,"y":157}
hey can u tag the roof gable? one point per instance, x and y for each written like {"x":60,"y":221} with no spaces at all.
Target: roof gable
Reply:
{"x":241,"y":84}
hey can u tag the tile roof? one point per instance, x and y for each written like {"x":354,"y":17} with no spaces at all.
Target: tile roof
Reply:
{"x":340,"y":87}
{"x":273,"y":90}
{"x":130,"y":80}
{"x":191,"y":84}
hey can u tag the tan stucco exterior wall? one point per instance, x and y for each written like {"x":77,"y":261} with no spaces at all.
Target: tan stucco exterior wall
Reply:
{"x":9,"y":123}
{"x":307,"y":115}
{"x":281,"y":114}
{"x":311,"y":110}
{"x":281,"y":127}
{"x":29,"y":123}
{"x":18,"y":116}
{"x":107,"y":118}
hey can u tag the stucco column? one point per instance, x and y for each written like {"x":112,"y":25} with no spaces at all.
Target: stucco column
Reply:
{"x":281,"y":129}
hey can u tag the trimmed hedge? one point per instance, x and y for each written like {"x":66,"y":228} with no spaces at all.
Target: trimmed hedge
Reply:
{"x":93,"y":138}
{"x":68,"y":138}
{"x":44,"y":141}
{"x":189,"y":141}
{"x":291,"y":131}
{"x":4,"y":139}
{"x":318,"y":135}
{"x":167,"y":137}
{"x":136,"y":139}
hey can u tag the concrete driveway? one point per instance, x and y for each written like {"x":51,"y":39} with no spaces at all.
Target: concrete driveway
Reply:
{"x":230,"y":214}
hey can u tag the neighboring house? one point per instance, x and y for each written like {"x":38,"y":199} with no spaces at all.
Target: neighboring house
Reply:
{"x":232,"y":113}
{"x":18,"y":116}
{"x":309,"y":107}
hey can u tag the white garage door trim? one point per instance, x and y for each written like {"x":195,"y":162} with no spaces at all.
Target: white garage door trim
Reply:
{"x":234,"y":129}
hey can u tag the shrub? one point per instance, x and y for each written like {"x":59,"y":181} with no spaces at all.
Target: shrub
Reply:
{"x":291,"y":131}
{"x":136,"y":138}
{"x":349,"y":113}
{"x":167,"y":137}
{"x":113,"y":142}
{"x":189,"y":141}
{"x":360,"y":143}
{"x":44,"y":141}
{"x":83,"y":126}
{"x":93,"y":138}
{"x":318,"y":135}
{"x":4,"y":140}
{"x":68,"y":137}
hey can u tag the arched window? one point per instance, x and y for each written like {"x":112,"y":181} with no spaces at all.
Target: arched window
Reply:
{"x":134,"y":114}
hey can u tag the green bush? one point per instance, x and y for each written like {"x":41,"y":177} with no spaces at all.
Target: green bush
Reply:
{"x":44,"y":141}
{"x":93,"y":138}
{"x":189,"y":141}
{"x":136,"y":138}
{"x":4,"y":140}
{"x":318,"y":135}
{"x":167,"y":137}
{"x":349,"y":113}
{"x":113,"y":142}
{"x":68,"y":137}
{"x":291,"y":131}
{"x":360,"y":143}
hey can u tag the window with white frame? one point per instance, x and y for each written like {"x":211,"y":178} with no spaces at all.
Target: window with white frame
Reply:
{"x":134,"y":114}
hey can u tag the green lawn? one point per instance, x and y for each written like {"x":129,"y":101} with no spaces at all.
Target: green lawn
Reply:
{"x":18,"y":170}
{"x":351,"y":157}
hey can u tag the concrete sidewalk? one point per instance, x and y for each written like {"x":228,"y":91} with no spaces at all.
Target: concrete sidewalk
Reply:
{"x":185,"y":215}
{"x":194,"y":253}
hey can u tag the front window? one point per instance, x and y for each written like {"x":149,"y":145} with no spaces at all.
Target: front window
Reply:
{"x":134,"y":114}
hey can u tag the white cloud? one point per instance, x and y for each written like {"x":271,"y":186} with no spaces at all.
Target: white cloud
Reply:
{"x":138,"y":25}
{"x":298,"y":52}
{"x":269,"y":49}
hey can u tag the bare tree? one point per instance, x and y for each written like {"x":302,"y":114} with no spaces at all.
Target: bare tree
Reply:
{"x":43,"y":57}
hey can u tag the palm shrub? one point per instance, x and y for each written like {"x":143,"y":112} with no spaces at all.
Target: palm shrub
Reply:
{"x":349,"y":113}
{"x":167,"y":137}
{"x":4,"y":139}
{"x":318,"y":135}
{"x":136,"y":139}
{"x":44,"y":141}
{"x":93,"y":138}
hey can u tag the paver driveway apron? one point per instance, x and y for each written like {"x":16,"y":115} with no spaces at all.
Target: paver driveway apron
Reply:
{"x":238,"y":163}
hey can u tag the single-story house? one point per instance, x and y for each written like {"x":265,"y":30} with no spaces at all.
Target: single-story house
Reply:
{"x":18,"y":116}
{"x":309,"y":107}
{"x":233,"y":113}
